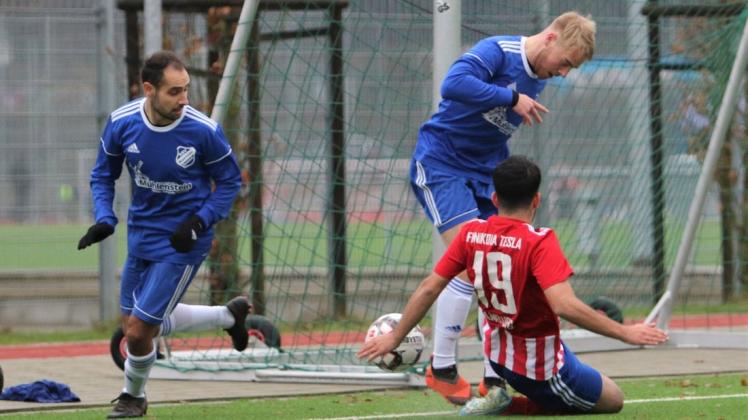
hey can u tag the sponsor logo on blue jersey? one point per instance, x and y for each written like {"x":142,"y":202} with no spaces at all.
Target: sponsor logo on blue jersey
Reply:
{"x":142,"y":181}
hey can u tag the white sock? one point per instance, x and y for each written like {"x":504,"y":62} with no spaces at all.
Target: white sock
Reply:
{"x":137,"y":369}
{"x":452,"y":309}
{"x":483,"y":327}
{"x":196,"y":318}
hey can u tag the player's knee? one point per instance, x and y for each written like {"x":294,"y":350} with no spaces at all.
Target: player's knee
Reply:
{"x":609,"y":404}
{"x":137,"y":344}
{"x":616,"y":403}
{"x":139,"y":337}
{"x":611,"y":398}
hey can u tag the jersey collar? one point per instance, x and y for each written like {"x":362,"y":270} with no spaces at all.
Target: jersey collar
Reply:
{"x":156,"y":128}
{"x":497,"y":218}
{"x":524,"y":59}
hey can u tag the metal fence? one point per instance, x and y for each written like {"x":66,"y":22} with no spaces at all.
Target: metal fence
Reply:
{"x":50,"y":96}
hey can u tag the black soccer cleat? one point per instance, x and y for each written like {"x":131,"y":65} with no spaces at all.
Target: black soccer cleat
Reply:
{"x":239,"y":307}
{"x":128,"y":407}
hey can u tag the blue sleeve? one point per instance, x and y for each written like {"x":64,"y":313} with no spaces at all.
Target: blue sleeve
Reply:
{"x":106,"y":171}
{"x":224,"y":171}
{"x":469,"y":79}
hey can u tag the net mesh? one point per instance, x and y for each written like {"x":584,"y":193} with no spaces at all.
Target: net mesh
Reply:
{"x":599,"y":147}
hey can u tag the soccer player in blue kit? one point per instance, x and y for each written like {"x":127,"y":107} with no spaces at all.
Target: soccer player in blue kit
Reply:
{"x":173,"y":152}
{"x":487,"y":93}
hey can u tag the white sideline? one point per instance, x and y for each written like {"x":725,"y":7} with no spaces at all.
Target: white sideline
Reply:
{"x":441,"y":413}
{"x":703,"y":397}
{"x":393,"y":416}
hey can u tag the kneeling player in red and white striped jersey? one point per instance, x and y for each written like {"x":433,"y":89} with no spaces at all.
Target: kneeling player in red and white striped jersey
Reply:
{"x":519,"y":274}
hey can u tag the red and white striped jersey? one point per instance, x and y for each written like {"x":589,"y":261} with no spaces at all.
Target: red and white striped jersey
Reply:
{"x":510,"y":263}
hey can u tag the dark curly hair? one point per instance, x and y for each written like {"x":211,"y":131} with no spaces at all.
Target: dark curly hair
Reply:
{"x":516,"y":180}
{"x":153,"y":68}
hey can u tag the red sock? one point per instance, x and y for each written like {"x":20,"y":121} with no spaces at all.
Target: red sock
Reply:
{"x":526,"y":407}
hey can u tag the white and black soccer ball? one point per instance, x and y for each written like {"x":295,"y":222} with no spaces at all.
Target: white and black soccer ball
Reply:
{"x":403,"y":356}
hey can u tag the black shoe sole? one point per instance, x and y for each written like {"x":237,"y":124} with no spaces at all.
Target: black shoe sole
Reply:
{"x":239,"y":307}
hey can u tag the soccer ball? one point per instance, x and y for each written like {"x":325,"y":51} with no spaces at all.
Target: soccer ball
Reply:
{"x":406,"y":354}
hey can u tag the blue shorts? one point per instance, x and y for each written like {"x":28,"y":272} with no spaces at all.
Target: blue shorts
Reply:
{"x":150,"y":290}
{"x":449,"y":199}
{"x":575,"y":389}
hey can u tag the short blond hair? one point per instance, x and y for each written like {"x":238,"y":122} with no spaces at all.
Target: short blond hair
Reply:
{"x":577,"y":32}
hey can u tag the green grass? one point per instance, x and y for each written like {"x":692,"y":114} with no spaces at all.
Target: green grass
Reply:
{"x":53,"y":247}
{"x":304,"y":244}
{"x":30,"y":337}
{"x":408,"y":402}
{"x":736,"y":306}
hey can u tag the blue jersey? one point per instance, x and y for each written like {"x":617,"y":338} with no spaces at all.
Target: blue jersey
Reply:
{"x":171,"y":168}
{"x":470,"y":131}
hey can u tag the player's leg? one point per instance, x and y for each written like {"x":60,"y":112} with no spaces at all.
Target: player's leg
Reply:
{"x":452,"y":308}
{"x":575,"y":389}
{"x":231,"y":317}
{"x":490,"y":378}
{"x":538,"y":398}
{"x":132,"y":272}
{"x":611,"y":397}
{"x":141,"y":353}
{"x":157,"y":291}
{"x":449,"y":203}
{"x":482,"y":193}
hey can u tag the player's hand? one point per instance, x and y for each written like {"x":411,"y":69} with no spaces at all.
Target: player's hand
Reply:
{"x":184,"y":238}
{"x":95,"y":233}
{"x":378,"y":346}
{"x":529,"y":109}
{"x":644,"y":334}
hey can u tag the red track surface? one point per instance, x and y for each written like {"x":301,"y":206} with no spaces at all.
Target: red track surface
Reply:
{"x":95,"y":348}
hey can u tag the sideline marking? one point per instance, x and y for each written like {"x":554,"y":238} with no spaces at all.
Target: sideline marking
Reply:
{"x":394,"y":416}
{"x":441,"y":413}
{"x":700,"y":397}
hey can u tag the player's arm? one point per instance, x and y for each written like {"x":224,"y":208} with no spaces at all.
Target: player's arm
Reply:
{"x":451,"y":263}
{"x":106,"y":171}
{"x":222,"y":168}
{"x":227,"y":178}
{"x":469,"y":81}
{"x":565,"y":304}
{"x":552,"y":271}
{"x":224,"y":171}
{"x":418,"y":304}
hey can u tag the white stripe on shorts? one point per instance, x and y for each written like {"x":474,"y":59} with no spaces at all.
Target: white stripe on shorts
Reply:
{"x":428,"y":196}
{"x":183,"y":283}
{"x":565,"y":393}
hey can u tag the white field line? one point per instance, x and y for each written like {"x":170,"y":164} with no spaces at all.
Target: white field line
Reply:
{"x":394,"y":416}
{"x":442,"y":413}
{"x":703,"y":397}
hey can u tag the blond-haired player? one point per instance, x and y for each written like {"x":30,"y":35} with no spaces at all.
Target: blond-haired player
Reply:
{"x":487,"y":94}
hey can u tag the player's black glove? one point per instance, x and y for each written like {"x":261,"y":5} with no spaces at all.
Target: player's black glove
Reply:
{"x":96,"y":233}
{"x":185,"y":236}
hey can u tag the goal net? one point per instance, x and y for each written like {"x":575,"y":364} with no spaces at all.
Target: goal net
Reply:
{"x":327,"y":236}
